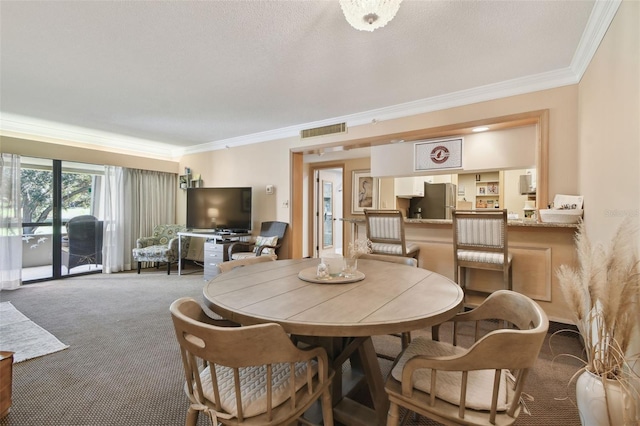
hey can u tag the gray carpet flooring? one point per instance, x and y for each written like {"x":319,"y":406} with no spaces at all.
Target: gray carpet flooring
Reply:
{"x":123,"y":365}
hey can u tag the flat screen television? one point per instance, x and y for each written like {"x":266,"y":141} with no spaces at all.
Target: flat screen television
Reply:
{"x":222,"y":209}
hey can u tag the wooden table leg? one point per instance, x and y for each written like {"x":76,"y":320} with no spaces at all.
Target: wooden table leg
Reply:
{"x":364,"y":362}
{"x":372,"y":371}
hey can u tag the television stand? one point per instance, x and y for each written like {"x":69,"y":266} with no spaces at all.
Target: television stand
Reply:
{"x":214,"y":237}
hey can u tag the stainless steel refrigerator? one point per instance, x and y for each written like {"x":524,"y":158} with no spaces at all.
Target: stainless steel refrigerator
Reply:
{"x":438,"y":200}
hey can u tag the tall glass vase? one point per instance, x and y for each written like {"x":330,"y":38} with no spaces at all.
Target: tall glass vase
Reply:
{"x":598,"y":407}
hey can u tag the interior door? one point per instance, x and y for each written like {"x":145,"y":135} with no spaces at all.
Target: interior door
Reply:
{"x":327,"y":215}
{"x":328,"y":211}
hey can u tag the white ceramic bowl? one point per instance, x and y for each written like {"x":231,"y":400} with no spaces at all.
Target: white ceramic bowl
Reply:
{"x":560,"y":216}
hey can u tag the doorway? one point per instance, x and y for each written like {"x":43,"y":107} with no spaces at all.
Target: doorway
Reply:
{"x":328,"y":211}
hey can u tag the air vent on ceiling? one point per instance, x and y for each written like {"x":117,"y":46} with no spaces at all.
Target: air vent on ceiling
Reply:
{"x":324,"y":130}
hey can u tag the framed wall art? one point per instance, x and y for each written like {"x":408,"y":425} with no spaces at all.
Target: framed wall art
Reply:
{"x":364,"y":191}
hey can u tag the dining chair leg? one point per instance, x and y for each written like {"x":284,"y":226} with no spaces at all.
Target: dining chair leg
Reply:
{"x":327,"y":408}
{"x":392,"y":417}
{"x":139,"y":266}
{"x":192,"y":417}
{"x":455,"y":273}
{"x":406,"y":339}
{"x":168,"y":268}
{"x":435,"y":332}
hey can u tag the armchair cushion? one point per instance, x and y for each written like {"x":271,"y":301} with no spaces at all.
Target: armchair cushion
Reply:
{"x":253,"y":386}
{"x":265,"y":241}
{"x":480,"y":382}
{"x":395,"y":249}
{"x":482,"y":256}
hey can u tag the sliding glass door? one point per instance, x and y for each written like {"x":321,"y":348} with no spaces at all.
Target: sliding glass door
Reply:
{"x":62,"y":236}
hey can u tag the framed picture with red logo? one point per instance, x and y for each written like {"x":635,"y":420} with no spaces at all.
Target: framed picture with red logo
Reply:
{"x":438,"y":154}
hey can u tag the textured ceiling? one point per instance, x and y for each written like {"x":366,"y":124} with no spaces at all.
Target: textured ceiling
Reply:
{"x":203,"y":73}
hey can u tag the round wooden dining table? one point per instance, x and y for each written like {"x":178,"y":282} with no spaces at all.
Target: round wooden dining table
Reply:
{"x":342,"y":317}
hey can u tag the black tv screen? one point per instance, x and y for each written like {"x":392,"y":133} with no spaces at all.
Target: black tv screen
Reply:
{"x":227,"y":209}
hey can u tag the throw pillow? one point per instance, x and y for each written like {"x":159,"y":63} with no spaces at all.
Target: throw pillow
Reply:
{"x":265,"y":241}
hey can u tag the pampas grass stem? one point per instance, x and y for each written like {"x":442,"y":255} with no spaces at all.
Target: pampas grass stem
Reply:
{"x":603,"y":294}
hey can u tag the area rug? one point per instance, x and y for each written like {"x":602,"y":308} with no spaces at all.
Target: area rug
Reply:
{"x":22,"y":336}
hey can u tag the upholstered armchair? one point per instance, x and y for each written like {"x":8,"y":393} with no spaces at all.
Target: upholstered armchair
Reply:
{"x":162,"y":246}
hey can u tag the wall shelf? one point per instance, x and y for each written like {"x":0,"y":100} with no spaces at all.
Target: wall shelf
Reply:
{"x":488,"y":194}
{"x":189,"y":180}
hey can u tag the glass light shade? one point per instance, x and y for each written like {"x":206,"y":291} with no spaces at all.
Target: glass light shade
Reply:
{"x":368,"y":15}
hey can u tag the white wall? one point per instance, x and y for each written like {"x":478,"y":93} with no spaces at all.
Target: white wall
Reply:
{"x":511,"y":148}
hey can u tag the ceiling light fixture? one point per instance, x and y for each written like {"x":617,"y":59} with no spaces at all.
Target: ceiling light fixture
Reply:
{"x":480,"y":129}
{"x":368,"y":15}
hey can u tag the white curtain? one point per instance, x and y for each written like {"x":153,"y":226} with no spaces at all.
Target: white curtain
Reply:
{"x":111,"y":208}
{"x":10,"y":223}
{"x":155,"y":199}
{"x":132,"y":203}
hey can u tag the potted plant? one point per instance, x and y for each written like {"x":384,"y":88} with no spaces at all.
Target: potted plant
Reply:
{"x":603,"y":296}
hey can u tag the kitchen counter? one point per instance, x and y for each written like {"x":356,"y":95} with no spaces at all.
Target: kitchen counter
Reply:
{"x":538,"y":251}
{"x":516,"y":222}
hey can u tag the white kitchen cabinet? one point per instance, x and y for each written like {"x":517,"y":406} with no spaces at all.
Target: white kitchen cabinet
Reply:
{"x":408,"y":187}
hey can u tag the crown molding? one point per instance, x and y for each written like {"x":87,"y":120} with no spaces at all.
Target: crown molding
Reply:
{"x":49,"y":131}
{"x":601,"y":17}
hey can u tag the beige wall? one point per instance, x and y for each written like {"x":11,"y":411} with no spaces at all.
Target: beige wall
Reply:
{"x":609,"y":132}
{"x":609,"y":127}
{"x":256,"y":164}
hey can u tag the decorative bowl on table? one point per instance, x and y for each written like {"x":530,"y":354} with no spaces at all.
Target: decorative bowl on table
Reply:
{"x":560,"y":216}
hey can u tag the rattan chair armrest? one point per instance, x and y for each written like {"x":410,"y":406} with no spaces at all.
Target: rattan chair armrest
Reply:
{"x":240,"y":246}
{"x":265,"y":247}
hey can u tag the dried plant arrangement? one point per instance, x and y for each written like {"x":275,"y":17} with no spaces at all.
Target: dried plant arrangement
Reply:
{"x":603,"y":295}
{"x":358,"y":247}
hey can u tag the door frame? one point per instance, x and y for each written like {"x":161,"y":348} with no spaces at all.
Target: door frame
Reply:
{"x":313,"y":218}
